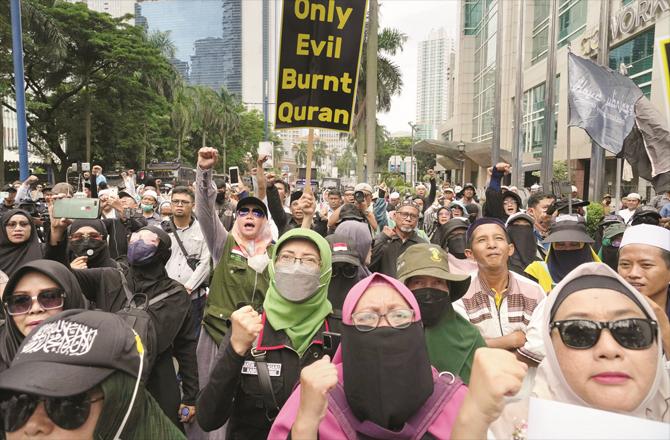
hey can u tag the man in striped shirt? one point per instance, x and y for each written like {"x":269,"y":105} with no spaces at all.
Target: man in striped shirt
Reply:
{"x":499,"y":302}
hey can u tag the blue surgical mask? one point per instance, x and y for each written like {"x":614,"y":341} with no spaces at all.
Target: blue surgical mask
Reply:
{"x":140,"y":252}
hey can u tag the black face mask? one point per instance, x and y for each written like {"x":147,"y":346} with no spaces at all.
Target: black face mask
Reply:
{"x":456,"y":246}
{"x":611,"y":256}
{"x":376,"y":365}
{"x":433,"y":303}
{"x":87,"y":247}
{"x":220,"y":197}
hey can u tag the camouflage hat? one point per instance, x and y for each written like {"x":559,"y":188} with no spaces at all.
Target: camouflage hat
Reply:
{"x":431,"y":260}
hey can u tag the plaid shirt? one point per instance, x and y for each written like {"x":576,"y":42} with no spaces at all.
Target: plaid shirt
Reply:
{"x":478,"y":305}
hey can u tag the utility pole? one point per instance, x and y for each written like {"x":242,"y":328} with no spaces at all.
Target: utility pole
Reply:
{"x":411,"y":165}
{"x":19,"y":86}
{"x":371,"y":89}
{"x":597,"y":168}
{"x":266,"y":69}
{"x":547,"y":169}
{"x":517,"y":142}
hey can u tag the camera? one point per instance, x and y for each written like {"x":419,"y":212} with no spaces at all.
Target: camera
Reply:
{"x":359,"y":196}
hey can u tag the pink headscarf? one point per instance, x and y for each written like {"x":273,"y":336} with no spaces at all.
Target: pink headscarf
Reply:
{"x":329,"y":427}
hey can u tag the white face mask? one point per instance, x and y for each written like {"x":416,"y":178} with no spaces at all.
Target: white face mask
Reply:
{"x":296,"y":283}
{"x":259,"y":262}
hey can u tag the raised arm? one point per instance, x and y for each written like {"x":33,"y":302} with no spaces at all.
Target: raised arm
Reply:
{"x":205,"y":197}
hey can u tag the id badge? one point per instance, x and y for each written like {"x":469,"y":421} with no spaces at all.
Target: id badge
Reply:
{"x":249,"y":368}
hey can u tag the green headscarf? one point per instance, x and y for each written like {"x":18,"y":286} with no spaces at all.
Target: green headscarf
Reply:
{"x":146,"y":421}
{"x":300,"y":321}
{"x":452,"y":343}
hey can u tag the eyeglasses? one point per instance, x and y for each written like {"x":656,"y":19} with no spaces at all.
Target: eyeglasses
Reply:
{"x":182,"y":202}
{"x":47,"y":299}
{"x":67,"y":412}
{"x":14,"y":225}
{"x":288,"y":259}
{"x":582,"y":334}
{"x":407,"y":215}
{"x":257,"y":212}
{"x":367,"y":321}
{"x":82,"y":236}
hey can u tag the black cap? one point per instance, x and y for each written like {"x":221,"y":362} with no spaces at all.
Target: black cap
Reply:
{"x":123,"y":194}
{"x":513,"y":195}
{"x":568,"y":228}
{"x":295,"y":196}
{"x":343,"y":250}
{"x":454,"y":224}
{"x":468,"y":185}
{"x":562,"y":206}
{"x":254,"y":201}
{"x":71,"y":353}
{"x":646,"y":215}
{"x":350,"y":212}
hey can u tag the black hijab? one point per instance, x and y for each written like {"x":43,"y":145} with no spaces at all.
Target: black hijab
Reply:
{"x":99,"y":249}
{"x":13,"y":256}
{"x":152,"y":279}
{"x":11,"y":337}
{"x":525,"y":247}
{"x":561,"y":263}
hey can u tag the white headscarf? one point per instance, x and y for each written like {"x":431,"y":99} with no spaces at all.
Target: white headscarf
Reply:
{"x":551,"y":384}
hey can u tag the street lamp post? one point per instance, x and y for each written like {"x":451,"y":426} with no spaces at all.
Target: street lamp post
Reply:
{"x":461,"y":150}
{"x":411,"y":165}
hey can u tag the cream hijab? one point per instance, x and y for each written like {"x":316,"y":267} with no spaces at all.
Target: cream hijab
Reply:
{"x":551,"y":384}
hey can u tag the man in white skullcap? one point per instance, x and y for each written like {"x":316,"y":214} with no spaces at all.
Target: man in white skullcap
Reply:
{"x":632,"y":202}
{"x":644,"y":261}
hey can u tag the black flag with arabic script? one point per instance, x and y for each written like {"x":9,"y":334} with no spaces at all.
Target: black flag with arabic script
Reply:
{"x":602,"y":102}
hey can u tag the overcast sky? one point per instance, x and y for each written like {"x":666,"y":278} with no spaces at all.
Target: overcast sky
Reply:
{"x":415,"y":18}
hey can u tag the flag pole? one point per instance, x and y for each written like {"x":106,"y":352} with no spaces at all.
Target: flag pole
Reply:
{"x":567,"y":137}
{"x":547,"y":170}
{"x":517,"y":143}
{"x":308,"y":170}
{"x":497,"y":91}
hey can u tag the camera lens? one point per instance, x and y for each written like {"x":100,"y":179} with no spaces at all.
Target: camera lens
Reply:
{"x":359,"y":196}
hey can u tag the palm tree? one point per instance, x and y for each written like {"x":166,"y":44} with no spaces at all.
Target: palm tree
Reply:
{"x":206,"y":110}
{"x":319,"y":151}
{"x":389,"y":83}
{"x":181,"y":116}
{"x":228,"y":118}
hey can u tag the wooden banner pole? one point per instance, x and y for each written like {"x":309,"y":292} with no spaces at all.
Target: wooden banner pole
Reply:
{"x":308,"y":169}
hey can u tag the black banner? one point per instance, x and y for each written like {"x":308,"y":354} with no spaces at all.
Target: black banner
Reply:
{"x":321,"y":43}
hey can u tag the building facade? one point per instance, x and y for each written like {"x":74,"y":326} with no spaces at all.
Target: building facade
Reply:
{"x":207,"y":63}
{"x":634,"y":28}
{"x":433,"y":81}
{"x":115,"y":8}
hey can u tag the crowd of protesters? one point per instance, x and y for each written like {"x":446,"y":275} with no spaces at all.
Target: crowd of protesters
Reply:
{"x":211,"y":311}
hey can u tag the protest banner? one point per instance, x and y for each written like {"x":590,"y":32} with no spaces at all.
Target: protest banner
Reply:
{"x":319,"y":58}
{"x":663,"y":45}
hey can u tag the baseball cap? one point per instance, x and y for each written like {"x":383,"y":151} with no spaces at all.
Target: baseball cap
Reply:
{"x":72,"y":352}
{"x":350,"y":212}
{"x":431,"y":260}
{"x":343,"y":250}
{"x":449,"y":189}
{"x":123,"y":194}
{"x":613,"y":230}
{"x":484,"y":221}
{"x":568,"y":228}
{"x":455,"y":224}
{"x":469,"y":185}
{"x":363,"y":187}
{"x":520,"y":216}
{"x":253,"y":201}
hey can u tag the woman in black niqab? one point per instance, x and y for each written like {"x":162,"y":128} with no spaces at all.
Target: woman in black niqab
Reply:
{"x":15,"y":255}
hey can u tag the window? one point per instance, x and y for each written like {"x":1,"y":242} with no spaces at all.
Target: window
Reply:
{"x":532,"y":108}
{"x":637,"y":54}
{"x":449,"y":135}
{"x":571,"y":22}
{"x":485,"y":68}
{"x":473,"y":16}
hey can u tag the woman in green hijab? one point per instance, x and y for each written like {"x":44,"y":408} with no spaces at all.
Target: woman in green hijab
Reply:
{"x":259,"y":368}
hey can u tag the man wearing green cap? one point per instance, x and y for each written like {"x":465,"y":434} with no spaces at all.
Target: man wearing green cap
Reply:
{"x":451,"y":339}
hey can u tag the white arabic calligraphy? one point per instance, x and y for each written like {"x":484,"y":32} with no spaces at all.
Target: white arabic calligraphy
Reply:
{"x":62,"y":337}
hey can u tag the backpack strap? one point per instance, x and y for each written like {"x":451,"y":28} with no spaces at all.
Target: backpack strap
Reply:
{"x":269,"y":399}
{"x":164,"y":295}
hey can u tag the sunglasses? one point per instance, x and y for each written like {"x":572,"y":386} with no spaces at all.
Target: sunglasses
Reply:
{"x":582,"y":334}
{"x":81,"y":236}
{"x":47,"y":299}
{"x":257,"y":212}
{"x":67,"y":412}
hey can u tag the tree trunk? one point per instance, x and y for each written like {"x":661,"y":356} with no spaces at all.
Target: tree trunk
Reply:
{"x":179,"y":149}
{"x":360,"y":151}
{"x":204,"y":139}
{"x":144,"y":149}
{"x":223,"y":136}
{"x":371,"y":90}
{"x":87,"y":126}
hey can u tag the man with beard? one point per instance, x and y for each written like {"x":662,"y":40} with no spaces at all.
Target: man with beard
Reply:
{"x":520,"y":230}
{"x":390,"y":243}
{"x":451,"y":237}
{"x":609,"y":251}
{"x":499,"y":302}
{"x":632,"y":202}
{"x":538,"y":204}
{"x":570,"y":246}
{"x":451,"y":339}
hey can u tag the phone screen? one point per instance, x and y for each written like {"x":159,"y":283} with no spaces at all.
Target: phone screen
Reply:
{"x":234,"y":175}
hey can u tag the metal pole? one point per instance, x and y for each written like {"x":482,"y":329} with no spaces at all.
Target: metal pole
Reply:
{"x":266,"y":69}
{"x":567,"y":144}
{"x":19,"y":85}
{"x":517,"y":144}
{"x":411,"y":165}
{"x":371,"y":89}
{"x":547,"y":170}
{"x":597,"y":168}
{"x":495,"y":142}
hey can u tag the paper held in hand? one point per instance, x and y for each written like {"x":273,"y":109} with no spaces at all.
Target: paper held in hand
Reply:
{"x":548,"y":419}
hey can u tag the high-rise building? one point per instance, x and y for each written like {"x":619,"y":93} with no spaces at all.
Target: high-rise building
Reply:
{"x":188,"y":22}
{"x":232,"y":45}
{"x":631,"y":44}
{"x":433,"y":81}
{"x":207,"y":63}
